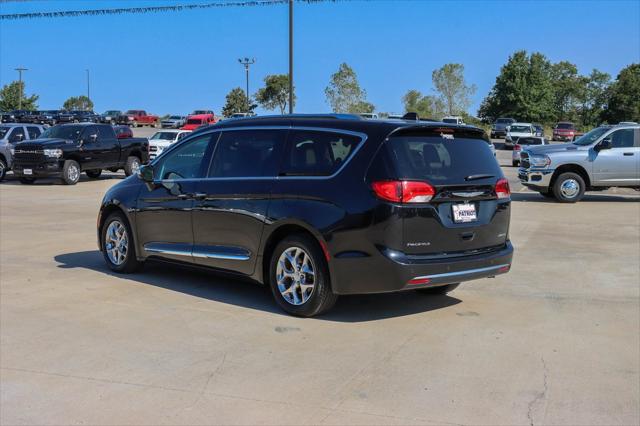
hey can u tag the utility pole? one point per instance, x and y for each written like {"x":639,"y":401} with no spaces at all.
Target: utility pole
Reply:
{"x":247,"y":63}
{"x":290,"y":56}
{"x":88,"y":86}
{"x":20,"y":70}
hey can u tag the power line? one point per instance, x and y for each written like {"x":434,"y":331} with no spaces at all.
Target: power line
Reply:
{"x":153,"y":9}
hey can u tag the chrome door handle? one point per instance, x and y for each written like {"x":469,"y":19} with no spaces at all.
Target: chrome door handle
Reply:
{"x":200,"y":196}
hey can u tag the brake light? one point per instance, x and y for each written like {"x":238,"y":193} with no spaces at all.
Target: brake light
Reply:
{"x":517,"y":147}
{"x":419,"y":281}
{"x":502,"y":189}
{"x":404,"y":191}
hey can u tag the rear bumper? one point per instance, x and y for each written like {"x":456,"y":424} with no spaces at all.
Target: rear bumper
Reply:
{"x":392,"y":271}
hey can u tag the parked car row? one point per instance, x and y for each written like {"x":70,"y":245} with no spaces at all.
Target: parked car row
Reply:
{"x":605,"y":157}
{"x":66,"y":150}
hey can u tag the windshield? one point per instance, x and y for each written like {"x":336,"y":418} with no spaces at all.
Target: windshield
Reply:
{"x":3,"y":131}
{"x":591,"y":137}
{"x":520,"y":129}
{"x":132,"y":112}
{"x":175,"y":117}
{"x":450,"y":120}
{"x":112,"y":113}
{"x":504,"y":121}
{"x":166,"y":136}
{"x":62,"y":132}
{"x":195,"y":121}
{"x":564,"y":126}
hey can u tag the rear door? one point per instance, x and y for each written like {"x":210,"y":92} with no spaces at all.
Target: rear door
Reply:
{"x":465,"y":213}
{"x":109,"y":146}
{"x":232,"y":202}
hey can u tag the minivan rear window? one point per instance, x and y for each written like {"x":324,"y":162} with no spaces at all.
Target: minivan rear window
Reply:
{"x":441,"y":159}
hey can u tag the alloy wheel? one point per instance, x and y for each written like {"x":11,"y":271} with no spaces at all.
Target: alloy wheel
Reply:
{"x":295,"y":276}
{"x":116,"y":242}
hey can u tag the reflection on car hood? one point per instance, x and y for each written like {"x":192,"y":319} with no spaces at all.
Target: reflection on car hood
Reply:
{"x":45,"y":143}
{"x":549,"y":149}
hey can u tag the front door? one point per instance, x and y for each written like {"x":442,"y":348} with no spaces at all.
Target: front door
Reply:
{"x":164,"y":213}
{"x":619,"y":164}
{"x":233,"y":201}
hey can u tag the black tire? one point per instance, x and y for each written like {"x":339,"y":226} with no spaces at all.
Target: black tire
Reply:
{"x":3,"y":169}
{"x":569,"y":187}
{"x":321,"y":297}
{"x":130,"y":263}
{"x":132,"y":166}
{"x":443,"y":289}
{"x":27,"y":181}
{"x":70,"y":172}
{"x":94,"y":174}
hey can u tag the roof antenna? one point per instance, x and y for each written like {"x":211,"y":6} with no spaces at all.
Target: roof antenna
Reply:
{"x":411,"y":116}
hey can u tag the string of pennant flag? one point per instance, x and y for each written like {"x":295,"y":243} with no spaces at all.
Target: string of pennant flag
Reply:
{"x":153,"y":9}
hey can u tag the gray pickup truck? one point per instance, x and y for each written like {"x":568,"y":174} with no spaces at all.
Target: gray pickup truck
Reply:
{"x":607,"y":156}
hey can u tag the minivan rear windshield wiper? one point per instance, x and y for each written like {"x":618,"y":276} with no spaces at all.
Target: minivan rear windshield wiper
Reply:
{"x":476,"y":177}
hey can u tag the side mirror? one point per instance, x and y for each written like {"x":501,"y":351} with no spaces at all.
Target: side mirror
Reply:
{"x":93,"y":137}
{"x":604,"y":144}
{"x":145,"y":173}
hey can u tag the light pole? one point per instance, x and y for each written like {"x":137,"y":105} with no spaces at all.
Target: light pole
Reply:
{"x":20,"y":70}
{"x":290,"y":56}
{"x":247,"y":63}
{"x":88,"y":86}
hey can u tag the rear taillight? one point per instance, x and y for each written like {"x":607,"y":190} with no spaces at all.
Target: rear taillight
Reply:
{"x":404,"y":191}
{"x":517,"y":148}
{"x":502,"y":189}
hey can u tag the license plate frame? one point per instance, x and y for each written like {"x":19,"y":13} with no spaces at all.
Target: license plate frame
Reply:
{"x":464,"y":213}
{"x":27,"y":172}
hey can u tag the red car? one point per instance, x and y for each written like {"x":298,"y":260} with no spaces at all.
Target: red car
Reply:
{"x":564,"y":131}
{"x":123,"y":132}
{"x":195,"y":121}
{"x":138,"y":117}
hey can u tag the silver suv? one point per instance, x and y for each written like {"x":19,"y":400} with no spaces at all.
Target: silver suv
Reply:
{"x":607,"y":156}
{"x":11,"y":134}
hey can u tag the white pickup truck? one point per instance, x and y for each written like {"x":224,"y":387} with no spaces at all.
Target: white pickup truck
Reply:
{"x":163,"y":139}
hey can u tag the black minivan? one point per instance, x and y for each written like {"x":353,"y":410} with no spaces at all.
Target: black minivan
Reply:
{"x":318,"y":206}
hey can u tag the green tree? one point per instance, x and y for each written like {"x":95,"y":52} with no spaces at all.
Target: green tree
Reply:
{"x":236,"y":102}
{"x":81,"y":103}
{"x":624,"y":96}
{"x":426,"y":106}
{"x":569,"y":88}
{"x":595,"y":96}
{"x":275,"y":93}
{"x":10,"y":97}
{"x":344,"y":93}
{"x":523,"y":90}
{"x":452,"y":89}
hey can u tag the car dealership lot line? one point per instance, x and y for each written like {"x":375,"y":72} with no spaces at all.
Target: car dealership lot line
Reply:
{"x":555,"y":341}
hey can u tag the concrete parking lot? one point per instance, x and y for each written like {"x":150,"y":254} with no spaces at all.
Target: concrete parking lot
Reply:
{"x":555,"y":341}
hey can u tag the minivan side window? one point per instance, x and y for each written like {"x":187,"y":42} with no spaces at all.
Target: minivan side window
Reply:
{"x":248,"y":153}
{"x":317,"y":153}
{"x":183,"y":162}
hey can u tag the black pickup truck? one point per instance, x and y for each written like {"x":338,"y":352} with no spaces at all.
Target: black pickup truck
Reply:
{"x":66,"y":150}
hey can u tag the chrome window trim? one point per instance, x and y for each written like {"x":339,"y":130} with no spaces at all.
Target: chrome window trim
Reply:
{"x":363,"y":138}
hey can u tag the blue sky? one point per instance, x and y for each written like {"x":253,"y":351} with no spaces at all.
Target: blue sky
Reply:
{"x":177,"y":62}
